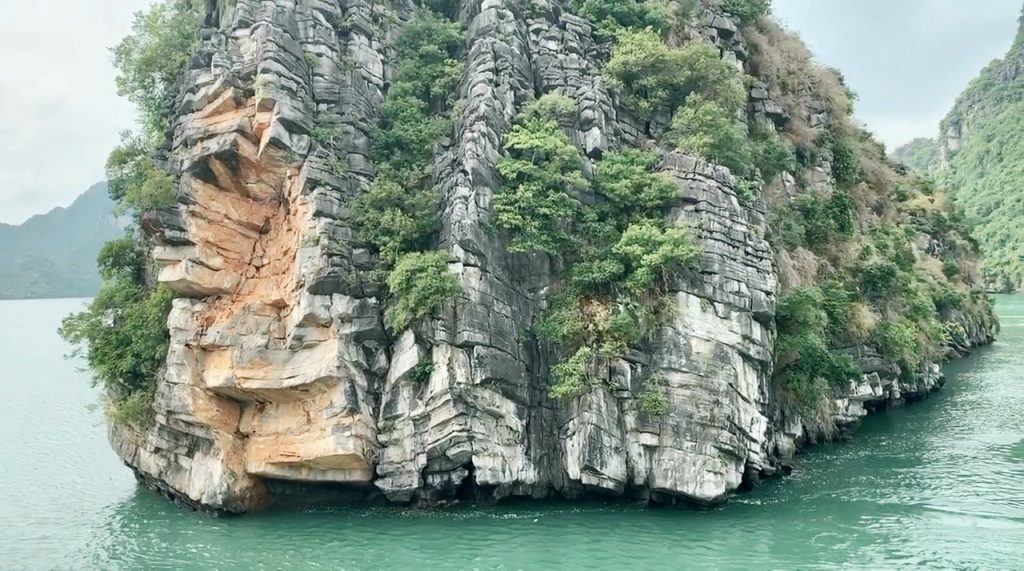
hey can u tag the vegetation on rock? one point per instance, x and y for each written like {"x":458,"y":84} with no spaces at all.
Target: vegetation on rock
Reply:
{"x":123,"y":332}
{"x":398,"y":214}
{"x":747,"y":11}
{"x":618,"y":251}
{"x":420,"y":282}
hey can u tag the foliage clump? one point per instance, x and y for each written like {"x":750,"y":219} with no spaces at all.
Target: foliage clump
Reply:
{"x":747,"y":11}
{"x":806,"y":367}
{"x":608,"y":231}
{"x":134,"y":181}
{"x":544,"y":177}
{"x":652,"y":400}
{"x":611,"y":16}
{"x":123,"y":332}
{"x":654,"y":78}
{"x":150,"y":59}
{"x":419,"y":283}
{"x":397,"y":215}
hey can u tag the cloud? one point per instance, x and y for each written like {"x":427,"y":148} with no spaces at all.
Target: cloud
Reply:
{"x":59,"y":113}
{"x":906,"y":60}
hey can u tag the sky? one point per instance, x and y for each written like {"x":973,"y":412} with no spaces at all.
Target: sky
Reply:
{"x":907,"y":60}
{"x":60,"y":115}
{"x":59,"y":112}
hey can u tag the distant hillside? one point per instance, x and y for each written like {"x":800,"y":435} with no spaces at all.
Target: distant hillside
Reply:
{"x":54,"y":254}
{"x":982,"y":141}
{"x":921,"y":154}
{"x":979,"y":155}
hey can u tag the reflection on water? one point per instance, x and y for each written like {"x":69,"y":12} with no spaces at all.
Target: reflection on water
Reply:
{"x":934,"y":484}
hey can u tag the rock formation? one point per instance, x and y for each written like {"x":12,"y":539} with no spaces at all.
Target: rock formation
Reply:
{"x":281,"y":373}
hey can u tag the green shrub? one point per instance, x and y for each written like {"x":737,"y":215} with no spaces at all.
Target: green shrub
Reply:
{"x":123,"y":332}
{"x":804,"y":365}
{"x":395,"y":220}
{"x":654,"y":78}
{"x":550,"y":106}
{"x":712,"y":132}
{"x":543,"y":176}
{"x":422,"y":371}
{"x":801,"y":310}
{"x":627,"y":180}
{"x":134,"y":409}
{"x":134,"y":180}
{"x":563,"y":323}
{"x":770,"y":154}
{"x":946,"y":299}
{"x":878,"y":278}
{"x":835,"y":302}
{"x":571,"y":377}
{"x":612,"y":15}
{"x":326,"y":130}
{"x":150,"y":59}
{"x":898,"y":341}
{"x":840,"y":210}
{"x":428,"y":68}
{"x":818,"y":222}
{"x":845,"y":165}
{"x":650,"y":252}
{"x":653,"y":400}
{"x":419,"y":283}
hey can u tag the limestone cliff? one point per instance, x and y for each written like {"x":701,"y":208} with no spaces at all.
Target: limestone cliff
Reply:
{"x":980,"y":146}
{"x":281,"y":373}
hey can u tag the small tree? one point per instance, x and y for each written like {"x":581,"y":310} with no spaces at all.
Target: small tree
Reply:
{"x":150,"y":59}
{"x":655,"y":78}
{"x":748,"y":11}
{"x":707,"y":130}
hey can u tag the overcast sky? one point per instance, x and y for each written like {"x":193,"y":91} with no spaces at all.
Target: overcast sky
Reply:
{"x":60,"y":116}
{"x":906,"y":59}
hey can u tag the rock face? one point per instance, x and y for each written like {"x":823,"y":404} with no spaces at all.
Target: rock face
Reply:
{"x":280,"y":372}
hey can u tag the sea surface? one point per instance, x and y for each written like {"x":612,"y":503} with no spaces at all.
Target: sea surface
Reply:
{"x":938,"y":484}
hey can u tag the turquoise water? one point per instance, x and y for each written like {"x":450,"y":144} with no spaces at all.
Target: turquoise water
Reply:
{"x":937,"y":484}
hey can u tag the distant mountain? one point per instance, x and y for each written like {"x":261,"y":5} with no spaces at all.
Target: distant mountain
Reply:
{"x":54,"y":254}
{"x":979,"y":155}
{"x":920,"y":154}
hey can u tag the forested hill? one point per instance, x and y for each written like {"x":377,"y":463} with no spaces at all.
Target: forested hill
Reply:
{"x":979,"y":156}
{"x":54,"y":254}
{"x":921,"y":154}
